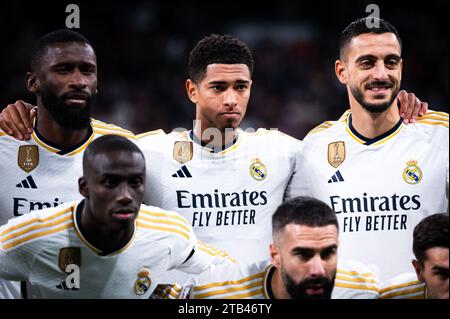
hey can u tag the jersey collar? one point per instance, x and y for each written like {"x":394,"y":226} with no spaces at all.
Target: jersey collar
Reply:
{"x":77,"y":222}
{"x":60,"y":150}
{"x":372,"y":141}
{"x":215,"y":150}
{"x":267,"y":287}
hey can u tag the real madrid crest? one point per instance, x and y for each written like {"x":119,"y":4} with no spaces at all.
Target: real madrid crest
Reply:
{"x":69,"y":256}
{"x":143,"y":283}
{"x":258,"y":170}
{"x":182,"y":151}
{"x":336,"y":153}
{"x":412,"y":174}
{"x":28,"y":157}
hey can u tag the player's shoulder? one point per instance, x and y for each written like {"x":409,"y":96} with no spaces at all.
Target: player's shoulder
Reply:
{"x":162,"y":221}
{"x":355,"y":280}
{"x":102,"y":128}
{"x":233,"y":281}
{"x":432,"y":122}
{"x":151,"y":135}
{"x":37,"y":225}
{"x":404,"y":286}
{"x":328,"y":127}
{"x":270,"y":138}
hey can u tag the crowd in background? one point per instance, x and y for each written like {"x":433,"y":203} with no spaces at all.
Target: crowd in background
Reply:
{"x":143,"y":48}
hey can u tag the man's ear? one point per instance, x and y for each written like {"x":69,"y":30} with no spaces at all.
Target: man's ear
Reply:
{"x":33,"y":84}
{"x":82,"y":187}
{"x":275,"y":255}
{"x":341,"y":71}
{"x":192,"y":90}
{"x":419,"y":270}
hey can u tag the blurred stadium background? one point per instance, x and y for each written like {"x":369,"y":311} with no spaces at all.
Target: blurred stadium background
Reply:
{"x":143,"y":46}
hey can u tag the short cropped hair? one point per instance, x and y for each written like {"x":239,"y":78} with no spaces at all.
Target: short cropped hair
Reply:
{"x":109,"y":143}
{"x":303,"y":210}
{"x":223,"y":49}
{"x":359,"y":27}
{"x":431,"y":232}
{"x":58,"y":36}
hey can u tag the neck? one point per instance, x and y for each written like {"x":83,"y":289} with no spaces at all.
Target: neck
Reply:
{"x":277,"y":285}
{"x":102,"y":237}
{"x":211,"y":136}
{"x":371,"y":125}
{"x":54,"y":133}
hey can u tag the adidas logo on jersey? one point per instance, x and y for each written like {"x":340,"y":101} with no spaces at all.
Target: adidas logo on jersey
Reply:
{"x":336,"y":178}
{"x":27,"y":183}
{"x":182,"y":173}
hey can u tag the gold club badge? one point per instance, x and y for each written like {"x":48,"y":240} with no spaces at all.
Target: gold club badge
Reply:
{"x":28,"y":157}
{"x":258,"y":170}
{"x":412,"y":174}
{"x":143,"y":283}
{"x":182,"y":151}
{"x":69,"y":256}
{"x":336,"y":153}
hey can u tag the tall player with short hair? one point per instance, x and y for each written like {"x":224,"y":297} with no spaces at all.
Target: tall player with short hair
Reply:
{"x":380,"y":176}
{"x":41,"y":172}
{"x":107,"y":245}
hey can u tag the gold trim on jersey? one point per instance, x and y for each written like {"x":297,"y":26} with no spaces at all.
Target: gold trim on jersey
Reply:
{"x":167,"y":229}
{"x":42,"y":144}
{"x":111,"y":127}
{"x":165,"y":222}
{"x":144,"y":221}
{"x":82,"y":147}
{"x":229,"y":282}
{"x":103,"y":132}
{"x":213,"y":251}
{"x":360,"y":141}
{"x":90,"y":246}
{"x":28,"y":222}
{"x":37,"y":235}
{"x":155,"y":132}
{"x":327,"y":124}
{"x":343,"y":285}
{"x":243,"y":288}
{"x":265,"y":282}
{"x":357,"y":279}
{"x":245,"y":295}
{"x":405,"y":292}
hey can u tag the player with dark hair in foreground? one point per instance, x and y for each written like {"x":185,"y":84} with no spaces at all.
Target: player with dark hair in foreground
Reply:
{"x":304,"y":263}
{"x":430,"y":279}
{"x":107,"y":245}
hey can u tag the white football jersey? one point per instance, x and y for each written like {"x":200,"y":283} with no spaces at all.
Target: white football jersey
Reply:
{"x":380,"y":188}
{"x":37,"y":175}
{"x":404,"y":286}
{"x":228,"y":197}
{"x":252,"y":281}
{"x":47,"y":249}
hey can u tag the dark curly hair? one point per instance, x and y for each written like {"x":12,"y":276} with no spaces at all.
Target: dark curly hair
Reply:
{"x":431,"y":232}
{"x":224,"y":49}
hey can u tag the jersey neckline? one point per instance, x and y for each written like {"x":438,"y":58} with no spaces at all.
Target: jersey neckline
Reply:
{"x":215,"y":150}
{"x":372,"y":141}
{"x":78,"y":207}
{"x":58,"y":149}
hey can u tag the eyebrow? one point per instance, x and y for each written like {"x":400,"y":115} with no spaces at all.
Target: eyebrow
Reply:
{"x":224,"y":82}
{"x":372,"y":57}
{"x":308,"y":249}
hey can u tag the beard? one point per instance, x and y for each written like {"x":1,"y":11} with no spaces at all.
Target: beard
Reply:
{"x":375,"y":107}
{"x":70,"y":118}
{"x":298,"y":290}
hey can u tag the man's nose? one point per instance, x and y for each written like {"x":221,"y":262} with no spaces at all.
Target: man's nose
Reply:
{"x":78,"y":79}
{"x":380,"y":73}
{"x":124,"y":194}
{"x":317,"y":267}
{"x":230,"y":98}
